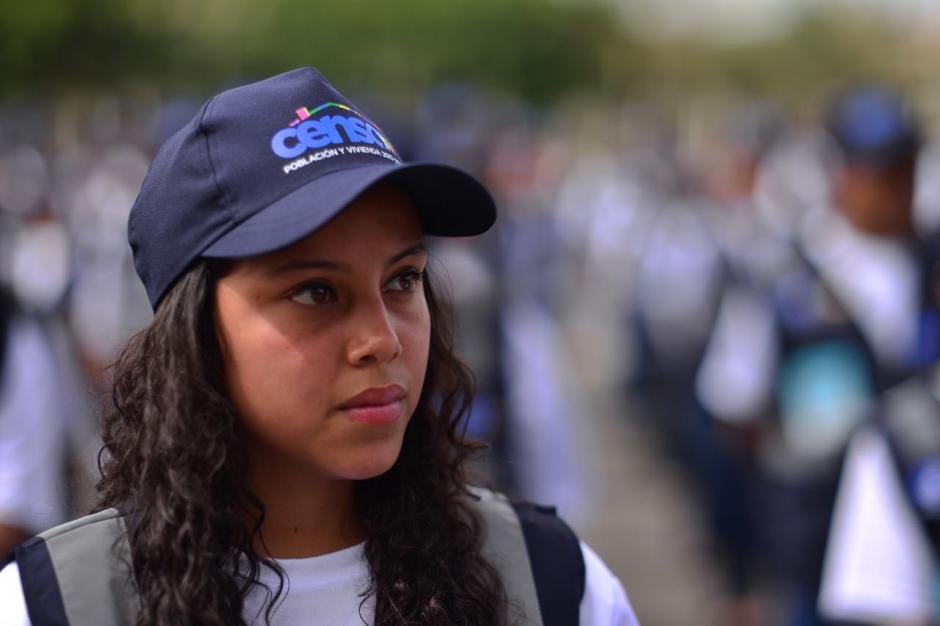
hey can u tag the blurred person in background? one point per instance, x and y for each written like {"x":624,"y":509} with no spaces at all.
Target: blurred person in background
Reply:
{"x":883,"y":551}
{"x":797,"y":363}
{"x":44,"y":427}
{"x":730,"y":380}
{"x":544,"y":418}
{"x":33,"y":428}
{"x":460,"y":114}
{"x":705,"y":269}
{"x":882,"y":562}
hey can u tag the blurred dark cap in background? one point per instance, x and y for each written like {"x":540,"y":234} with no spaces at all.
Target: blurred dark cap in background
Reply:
{"x":874,"y":126}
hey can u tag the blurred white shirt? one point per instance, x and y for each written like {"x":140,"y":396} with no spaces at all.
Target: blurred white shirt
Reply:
{"x":879,"y":567}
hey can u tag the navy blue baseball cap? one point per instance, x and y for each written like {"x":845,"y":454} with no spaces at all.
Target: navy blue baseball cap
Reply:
{"x":875,"y":126}
{"x":262,"y":166}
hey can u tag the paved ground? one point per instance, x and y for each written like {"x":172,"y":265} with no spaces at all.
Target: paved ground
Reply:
{"x":644,"y":524}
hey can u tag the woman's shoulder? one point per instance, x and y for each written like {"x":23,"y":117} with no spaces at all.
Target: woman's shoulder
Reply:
{"x":605,"y":602}
{"x":11,"y":597}
{"x":541,"y":558}
{"x":80,"y":538}
{"x":525,"y":531}
{"x":96,"y":532}
{"x":71,"y":569}
{"x":100,"y":521}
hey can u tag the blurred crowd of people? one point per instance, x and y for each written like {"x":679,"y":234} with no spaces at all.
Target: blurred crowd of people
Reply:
{"x":762,"y":297}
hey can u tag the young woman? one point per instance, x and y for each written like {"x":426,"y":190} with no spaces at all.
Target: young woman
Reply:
{"x":286,"y":442}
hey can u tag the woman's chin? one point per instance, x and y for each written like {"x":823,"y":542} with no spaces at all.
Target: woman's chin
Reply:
{"x":367,"y":466}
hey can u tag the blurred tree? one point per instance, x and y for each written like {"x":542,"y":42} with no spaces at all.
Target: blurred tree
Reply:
{"x":50,"y":43}
{"x":540,"y":50}
{"x":532,"y":48}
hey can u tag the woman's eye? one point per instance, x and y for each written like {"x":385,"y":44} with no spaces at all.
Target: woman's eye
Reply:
{"x":316,"y":293}
{"x":406,"y":281}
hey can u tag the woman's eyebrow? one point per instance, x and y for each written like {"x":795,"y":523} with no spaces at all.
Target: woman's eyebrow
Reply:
{"x":296,"y":265}
{"x":418,"y":248}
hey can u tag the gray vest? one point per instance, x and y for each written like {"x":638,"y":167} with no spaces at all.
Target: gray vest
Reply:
{"x":79,"y":574}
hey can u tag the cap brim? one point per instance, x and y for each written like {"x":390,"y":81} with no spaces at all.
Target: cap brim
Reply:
{"x":450,"y":203}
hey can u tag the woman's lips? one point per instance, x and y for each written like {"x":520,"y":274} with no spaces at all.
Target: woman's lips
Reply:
{"x":376,"y":405}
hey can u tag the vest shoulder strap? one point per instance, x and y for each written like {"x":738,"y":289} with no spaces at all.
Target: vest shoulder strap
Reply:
{"x":79,"y":573}
{"x":538,"y":557}
{"x":557,"y":563}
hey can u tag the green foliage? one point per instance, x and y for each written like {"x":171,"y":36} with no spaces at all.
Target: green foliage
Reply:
{"x":824,"y":51}
{"x":48,"y":43}
{"x":539,"y":50}
{"x":532,"y":48}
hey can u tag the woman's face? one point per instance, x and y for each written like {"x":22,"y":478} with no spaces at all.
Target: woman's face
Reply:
{"x":325,"y":342}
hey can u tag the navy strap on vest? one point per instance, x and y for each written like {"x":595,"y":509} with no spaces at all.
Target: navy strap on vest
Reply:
{"x":40,"y":585}
{"x":557,"y":563}
{"x":554,"y":552}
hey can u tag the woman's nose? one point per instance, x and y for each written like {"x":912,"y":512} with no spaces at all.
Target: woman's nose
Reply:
{"x":374,"y":339}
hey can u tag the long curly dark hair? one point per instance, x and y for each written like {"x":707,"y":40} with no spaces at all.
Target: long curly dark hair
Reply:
{"x":172,"y":458}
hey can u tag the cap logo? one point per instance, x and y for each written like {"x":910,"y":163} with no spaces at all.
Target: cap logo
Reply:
{"x":331,"y":135}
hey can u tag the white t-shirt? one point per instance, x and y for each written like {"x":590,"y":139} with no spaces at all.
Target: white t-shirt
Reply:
{"x":329,"y":588}
{"x":879,"y":567}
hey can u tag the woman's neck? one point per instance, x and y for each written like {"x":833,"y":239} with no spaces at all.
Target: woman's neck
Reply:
{"x":305,"y":514}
